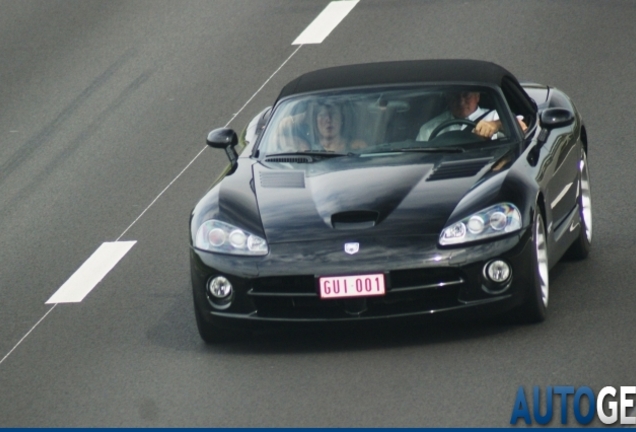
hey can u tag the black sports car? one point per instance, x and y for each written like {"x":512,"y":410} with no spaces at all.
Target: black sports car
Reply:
{"x":392,"y":190}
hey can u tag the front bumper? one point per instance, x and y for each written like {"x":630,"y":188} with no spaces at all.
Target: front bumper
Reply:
{"x":281,"y":288}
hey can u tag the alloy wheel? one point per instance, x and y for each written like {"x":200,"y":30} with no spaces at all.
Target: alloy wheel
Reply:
{"x":542,"y":260}
{"x":586,"y":199}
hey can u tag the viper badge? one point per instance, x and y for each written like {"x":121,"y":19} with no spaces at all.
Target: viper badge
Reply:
{"x":351,"y":248}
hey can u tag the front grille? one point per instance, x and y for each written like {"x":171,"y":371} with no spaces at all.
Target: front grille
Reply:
{"x":403,"y":280}
{"x":408,"y":291}
{"x":286,"y":307}
{"x":276,"y":286}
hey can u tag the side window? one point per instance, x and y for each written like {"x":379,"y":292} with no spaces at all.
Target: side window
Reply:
{"x":519,"y":102}
{"x":255,"y":127}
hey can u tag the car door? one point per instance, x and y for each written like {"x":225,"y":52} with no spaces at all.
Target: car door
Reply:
{"x":557,"y":157}
{"x":564,"y":150}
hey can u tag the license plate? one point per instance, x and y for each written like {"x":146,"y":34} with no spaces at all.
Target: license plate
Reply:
{"x":352,"y":286}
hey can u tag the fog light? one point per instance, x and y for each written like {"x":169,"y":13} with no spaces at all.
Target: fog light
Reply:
{"x":498,"y":271}
{"x":219,"y":287}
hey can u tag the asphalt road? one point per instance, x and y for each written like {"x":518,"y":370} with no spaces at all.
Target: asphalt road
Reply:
{"x":104,"y":103}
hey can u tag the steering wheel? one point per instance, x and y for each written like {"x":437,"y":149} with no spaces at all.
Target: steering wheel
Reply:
{"x":448,"y":123}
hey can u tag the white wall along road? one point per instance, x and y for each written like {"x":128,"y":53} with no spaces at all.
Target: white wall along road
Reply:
{"x":108,"y":254}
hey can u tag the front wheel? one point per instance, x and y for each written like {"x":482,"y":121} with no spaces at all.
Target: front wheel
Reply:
{"x":534,"y":309}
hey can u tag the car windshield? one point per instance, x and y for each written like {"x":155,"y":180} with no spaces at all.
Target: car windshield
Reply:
{"x":383,"y":120}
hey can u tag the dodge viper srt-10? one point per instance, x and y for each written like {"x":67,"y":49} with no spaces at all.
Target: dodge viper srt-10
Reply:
{"x":391,"y":190}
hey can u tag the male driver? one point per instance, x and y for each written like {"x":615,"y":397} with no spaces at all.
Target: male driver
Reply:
{"x":463,"y":105}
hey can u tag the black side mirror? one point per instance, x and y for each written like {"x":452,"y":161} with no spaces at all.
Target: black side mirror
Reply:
{"x":224,"y":138}
{"x":553,"y":118}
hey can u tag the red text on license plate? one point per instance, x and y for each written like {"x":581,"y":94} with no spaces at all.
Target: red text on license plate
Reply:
{"x":352,"y":286}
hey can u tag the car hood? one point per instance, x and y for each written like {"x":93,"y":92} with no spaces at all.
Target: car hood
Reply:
{"x":354,"y":197}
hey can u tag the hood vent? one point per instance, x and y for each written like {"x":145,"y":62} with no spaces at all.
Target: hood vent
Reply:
{"x":457,"y":169}
{"x":285,"y":179}
{"x":289,"y":159}
{"x":354,"y":219}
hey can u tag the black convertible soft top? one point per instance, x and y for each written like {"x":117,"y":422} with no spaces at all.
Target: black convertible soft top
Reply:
{"x":397,"y":72}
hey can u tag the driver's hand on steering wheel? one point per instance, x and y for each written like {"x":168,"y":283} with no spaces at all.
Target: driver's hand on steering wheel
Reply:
{"x":487,"y":129}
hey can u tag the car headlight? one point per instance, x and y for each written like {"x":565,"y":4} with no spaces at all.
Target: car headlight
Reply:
{"x":217,"y":236}
{"x":493,"y":221}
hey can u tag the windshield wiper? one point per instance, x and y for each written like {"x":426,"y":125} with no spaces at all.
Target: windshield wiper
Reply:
{"x":433,"y":149}
{"x":422,"y":150}
{"x":317,"y":153}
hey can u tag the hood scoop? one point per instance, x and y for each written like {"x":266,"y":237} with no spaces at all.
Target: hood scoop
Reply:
{"x":458,"y":169}
{"x":354,"y":219}
{"x":283,"y":179}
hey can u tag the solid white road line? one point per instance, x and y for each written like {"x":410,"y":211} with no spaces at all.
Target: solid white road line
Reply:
{"x":27,"y":334}
{"x":261,"y":87}
{"x":91,"y":272}
{"x":108,"y":254}
{"x":203,"y":149}
{"x":325,"y":22}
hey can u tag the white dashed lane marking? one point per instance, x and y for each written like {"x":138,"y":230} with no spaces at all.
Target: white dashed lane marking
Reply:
{"x":325,"y":22}
{"x":91,"y":272}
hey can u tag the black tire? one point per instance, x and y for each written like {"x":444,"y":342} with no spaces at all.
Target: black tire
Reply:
{"x":534,"y":308}
{"x":212,"y":334}
{"x":581,"y":246}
